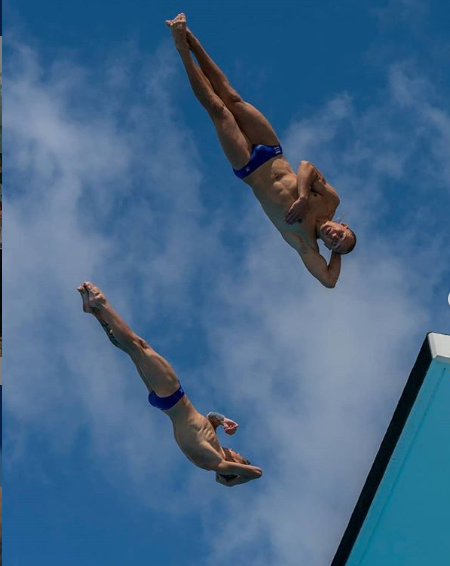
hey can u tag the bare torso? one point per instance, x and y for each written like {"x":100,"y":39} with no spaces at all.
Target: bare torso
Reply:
{"x":195,"y":435}
{"x":300,"y":205}
{"x":275,"y":186}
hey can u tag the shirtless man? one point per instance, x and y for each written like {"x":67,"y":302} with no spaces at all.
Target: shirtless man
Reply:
{"x":195,"y":434}
{"x":301,"y":205}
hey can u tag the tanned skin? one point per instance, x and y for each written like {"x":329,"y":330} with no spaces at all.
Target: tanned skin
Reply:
{"x":301,"y":204}
{"x":195,"y":434}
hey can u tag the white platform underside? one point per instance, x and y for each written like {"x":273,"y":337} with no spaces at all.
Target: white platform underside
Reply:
{"x":439,"y":346}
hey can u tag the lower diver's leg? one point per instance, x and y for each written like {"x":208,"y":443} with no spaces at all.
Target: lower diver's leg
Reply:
{"x":95,"y":302}
{"x":155,"y":371}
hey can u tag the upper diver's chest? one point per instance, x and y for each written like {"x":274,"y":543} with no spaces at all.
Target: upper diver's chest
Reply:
{"x":319,"y":205}
{"x":280,"y":170}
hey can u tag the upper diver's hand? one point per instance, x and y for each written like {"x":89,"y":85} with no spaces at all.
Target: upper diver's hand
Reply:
{"x":299,"y":209}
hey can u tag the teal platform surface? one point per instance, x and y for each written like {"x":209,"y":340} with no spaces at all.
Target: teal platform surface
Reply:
{"x":402,"y":517}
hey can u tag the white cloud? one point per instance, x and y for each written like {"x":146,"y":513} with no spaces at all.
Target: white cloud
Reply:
{"x":316,"y":374}
{"x":312,"y":374}
{"x":72,"y":218}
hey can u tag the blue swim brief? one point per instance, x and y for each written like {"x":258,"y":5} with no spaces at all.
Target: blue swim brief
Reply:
{"x":166,"y":403}
{"x":260,"y":154}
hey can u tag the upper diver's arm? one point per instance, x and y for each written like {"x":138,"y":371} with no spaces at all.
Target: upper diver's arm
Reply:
{"x":308,"y":175}
{"x":316,"y":264}
{"x":327,"y":274}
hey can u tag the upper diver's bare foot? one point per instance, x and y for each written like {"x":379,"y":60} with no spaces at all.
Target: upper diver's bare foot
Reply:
{"x":178,"y":28}
{"x":93,"y":297}
{"x":190,"y":38}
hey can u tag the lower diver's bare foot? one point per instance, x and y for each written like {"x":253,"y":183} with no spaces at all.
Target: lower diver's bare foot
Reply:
{"x":93,"y":298}
{"x":178,"y":28}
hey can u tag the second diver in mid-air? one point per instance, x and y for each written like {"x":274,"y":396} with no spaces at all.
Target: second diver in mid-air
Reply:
{"x":301,"y":205}
{"x":195,"y":434}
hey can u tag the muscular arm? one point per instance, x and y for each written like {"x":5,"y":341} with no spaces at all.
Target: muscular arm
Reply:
{"x":217,"y":419}
{"x":243,"y":473}
{"x":306,"y":175}
{"x":317,"y":266}
{"x":327,"y":274}
{"x":310,"y":178}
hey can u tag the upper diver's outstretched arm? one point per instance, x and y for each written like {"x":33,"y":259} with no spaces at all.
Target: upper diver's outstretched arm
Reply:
{"x":316,"y":264}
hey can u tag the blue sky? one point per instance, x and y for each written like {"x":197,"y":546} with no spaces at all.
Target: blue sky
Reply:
{"x":115,"y":176}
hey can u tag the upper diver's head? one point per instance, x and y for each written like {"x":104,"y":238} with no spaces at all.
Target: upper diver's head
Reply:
{"x":337,"y":237}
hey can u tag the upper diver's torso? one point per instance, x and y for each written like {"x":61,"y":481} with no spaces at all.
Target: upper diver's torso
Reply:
{"x":275,"y":185}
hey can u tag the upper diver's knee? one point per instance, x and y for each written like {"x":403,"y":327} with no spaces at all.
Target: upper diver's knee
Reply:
{"x":233,"y":98}
{"x":218,"y":110}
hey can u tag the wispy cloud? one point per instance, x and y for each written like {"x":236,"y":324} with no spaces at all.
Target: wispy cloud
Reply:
{"x":393,"y":12}
{"x":108,"y":187}
{"x":95,"y":195}
{"x":315,"y":373}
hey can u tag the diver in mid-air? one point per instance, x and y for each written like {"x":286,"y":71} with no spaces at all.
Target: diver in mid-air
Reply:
{"x":301,"y":205}
{"x":195,"y":434}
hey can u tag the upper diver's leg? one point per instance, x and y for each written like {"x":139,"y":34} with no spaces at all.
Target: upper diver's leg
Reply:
{"x":156,"y":372}
{"x":235,"y":145}
{"x":254,"y":124}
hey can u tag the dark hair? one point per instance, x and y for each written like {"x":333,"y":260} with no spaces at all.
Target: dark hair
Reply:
{"x":244,"y":460}
{"x":352,"y":246}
